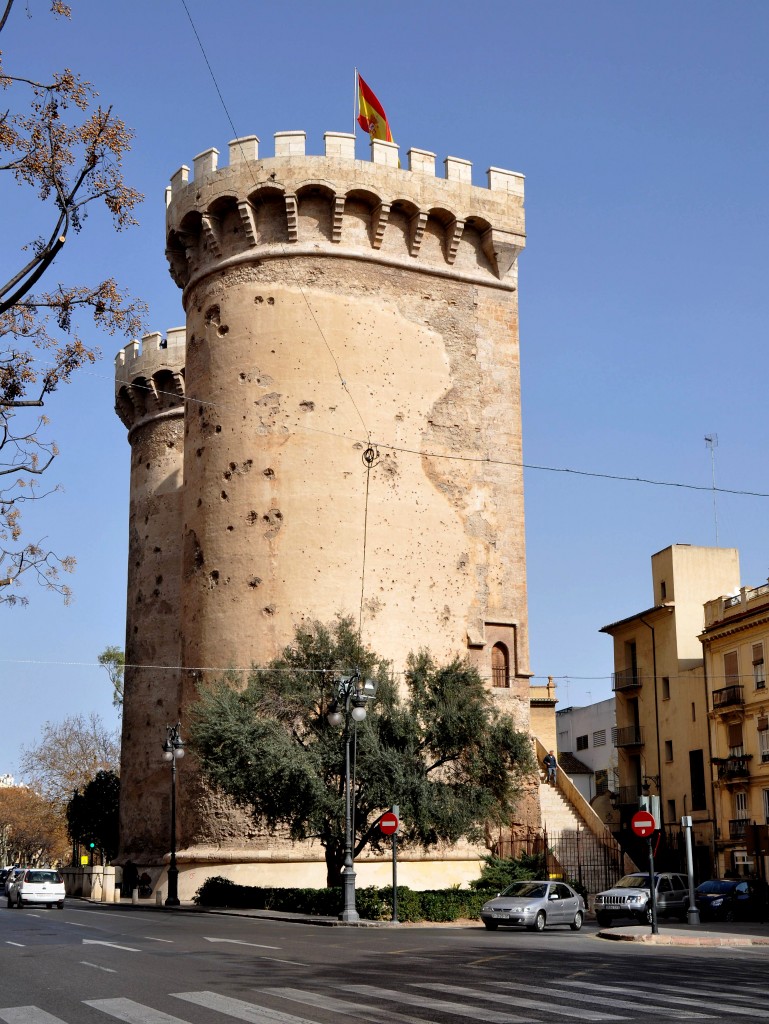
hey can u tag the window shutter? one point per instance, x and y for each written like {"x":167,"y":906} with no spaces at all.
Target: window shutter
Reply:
{"x":735,"y":735}
{"x":763,"y":723}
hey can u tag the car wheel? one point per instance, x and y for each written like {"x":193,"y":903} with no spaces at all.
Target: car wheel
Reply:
{"x":728,"y":914}
{"x":576,"y":924}
{"x":539,"y":922}
{"x":10,"y":902}
{"x":48,"y":906}
{"x":684,"y":914}
{"x":491,"y":925}
{"x":645,"y":917}
{"x":19,"y":902}
{"x":603,"y":919}
{"x":60,"y":905}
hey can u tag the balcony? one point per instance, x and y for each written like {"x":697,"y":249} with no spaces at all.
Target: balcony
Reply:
{"x":733,"y":769}
{"x":625,"y":679}
{"x":727,"y":697}
{"x":629,"y":796}
{"x":738,"y":827}
{"x":627,"y":736}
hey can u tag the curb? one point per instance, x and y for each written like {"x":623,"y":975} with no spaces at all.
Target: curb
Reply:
{"x":677,"y":939}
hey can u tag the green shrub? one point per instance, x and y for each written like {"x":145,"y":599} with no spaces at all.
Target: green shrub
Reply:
{"x":373,"y":903}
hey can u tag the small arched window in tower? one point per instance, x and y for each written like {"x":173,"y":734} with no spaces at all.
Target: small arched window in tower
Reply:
{"x":500,"y":666}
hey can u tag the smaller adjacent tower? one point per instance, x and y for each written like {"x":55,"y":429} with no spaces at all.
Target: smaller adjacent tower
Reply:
{"x":149,"y":399}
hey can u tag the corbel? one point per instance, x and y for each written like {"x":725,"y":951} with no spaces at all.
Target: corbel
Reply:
{"x":211,"y":230}
{"x":248,"y":220}
{"x":292,"y":217}
{"x":453,"y":235}
{"x":417,"y":224}
{"x":379,"y":219}
{"x":336,"y":229}
{"x":501,"y":248}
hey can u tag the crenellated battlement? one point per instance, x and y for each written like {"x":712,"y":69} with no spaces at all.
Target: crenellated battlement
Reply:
{"x":149,"y":376}
{"x":337,"y":205}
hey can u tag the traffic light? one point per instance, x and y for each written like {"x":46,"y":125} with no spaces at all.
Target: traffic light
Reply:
{"x":91,"y":846}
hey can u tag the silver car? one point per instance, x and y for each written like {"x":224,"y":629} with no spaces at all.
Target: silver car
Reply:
{"x":535,"y":905}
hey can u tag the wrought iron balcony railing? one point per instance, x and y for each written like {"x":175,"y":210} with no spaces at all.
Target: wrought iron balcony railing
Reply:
{"x":627,"y":736}
{"x":732,"y":769}
{"x":625,"y":679}
{"x":727,"y":696}
{"x":738,"y":827}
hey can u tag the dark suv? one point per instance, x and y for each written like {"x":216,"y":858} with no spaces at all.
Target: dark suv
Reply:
{"x":631,"y":897}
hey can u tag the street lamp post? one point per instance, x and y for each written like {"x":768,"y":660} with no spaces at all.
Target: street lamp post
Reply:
{"x":173,"y":749}
{"x":349,"y":704}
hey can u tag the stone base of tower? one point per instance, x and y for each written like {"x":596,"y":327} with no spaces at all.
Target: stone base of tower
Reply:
{"x":439,"y":870}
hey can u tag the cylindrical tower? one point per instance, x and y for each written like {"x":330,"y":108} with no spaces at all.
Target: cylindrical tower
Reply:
{"x":149,"y":398}
{"x":352,"y":418}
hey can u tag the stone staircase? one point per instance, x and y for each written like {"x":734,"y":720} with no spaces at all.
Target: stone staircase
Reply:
{"x":580,"y":846}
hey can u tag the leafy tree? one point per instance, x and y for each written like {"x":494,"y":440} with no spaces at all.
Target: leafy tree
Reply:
{"x":113,"y":660}
{"x":65,"y":150}
{"x":69,"y":755}
{"x":32,"y":829}
{"x":441,"y":750}
{"x":92,"y":816}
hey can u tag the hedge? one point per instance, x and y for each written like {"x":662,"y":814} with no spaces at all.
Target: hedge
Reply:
{"x":373,"y":903}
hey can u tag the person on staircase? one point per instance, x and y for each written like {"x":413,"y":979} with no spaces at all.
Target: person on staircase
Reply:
{"x":551,"y":766}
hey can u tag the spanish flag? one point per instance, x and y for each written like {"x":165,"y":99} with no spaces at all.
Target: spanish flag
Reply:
{"x":371,"y":115}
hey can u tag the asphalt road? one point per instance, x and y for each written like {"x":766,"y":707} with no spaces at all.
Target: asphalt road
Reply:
{"x":91,"y":964}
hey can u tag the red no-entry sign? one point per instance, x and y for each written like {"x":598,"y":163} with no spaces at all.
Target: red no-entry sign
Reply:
{"x":388,"y":823}
{"x":642,"y":823}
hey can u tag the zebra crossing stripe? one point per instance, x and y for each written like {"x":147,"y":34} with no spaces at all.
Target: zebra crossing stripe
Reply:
{"x":707,"y":1001}
{"x":238,"y":1008}
{"x":374,"y":992}
{"x":362,"y":1010}
{"x":131,"y":1012}
{"x":597,"y":992}
{"x":28,"y":1015}
{"x":518,"y":1003}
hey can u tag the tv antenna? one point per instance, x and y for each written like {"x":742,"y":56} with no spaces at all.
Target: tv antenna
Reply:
{"x":711,"y":442}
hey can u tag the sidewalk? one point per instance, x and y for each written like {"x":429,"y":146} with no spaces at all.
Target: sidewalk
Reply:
{"x":710,"y":933}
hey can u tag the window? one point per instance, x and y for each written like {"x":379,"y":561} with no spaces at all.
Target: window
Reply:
{"x":759,"y":676}
{"x":663,"y":590}
{"x":697,"y":780}
{"x":763,"y":741}
{"x":665,"y":688}
{"x":672,"y":812}
{"x":766,"y":806}
{"x":741,"y":805}
{"x":581,"y":742}
{"x":500,"y":666}
{"x":694,"y":712}
{"x":602,"y":782}
{"x":731,"y":669}
{"x":668,"y":750}
{"x":599,"y":738}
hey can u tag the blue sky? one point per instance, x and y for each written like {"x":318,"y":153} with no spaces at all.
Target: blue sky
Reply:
{"x":641,"y":129}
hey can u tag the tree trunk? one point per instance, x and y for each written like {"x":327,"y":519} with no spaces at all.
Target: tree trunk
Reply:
{"x":334,"y":865}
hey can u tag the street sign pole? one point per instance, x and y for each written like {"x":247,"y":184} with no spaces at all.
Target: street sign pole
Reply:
{"x":652,"y":887}
{"x":395,"y":877}
{"x":389,"y":824}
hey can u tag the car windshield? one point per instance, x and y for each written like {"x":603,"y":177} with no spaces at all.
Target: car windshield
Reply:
{"x":42,"y":876}
{"x":716,"y":885}
{"x":526,"y":890}
{"x":633,"y":882}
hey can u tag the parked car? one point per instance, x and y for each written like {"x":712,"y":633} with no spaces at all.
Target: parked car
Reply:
{"x":535,"y":905}
{"x":730,"y":899}
{"x":631,"y":897}
{"x":4,"y":872}
{"x":13,"y":874}
{"x":37,"y":885}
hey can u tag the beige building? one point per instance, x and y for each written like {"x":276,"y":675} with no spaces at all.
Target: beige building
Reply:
{"x":661,"y":736}
{"x":336,"y":429}
{"x":735,"y":641}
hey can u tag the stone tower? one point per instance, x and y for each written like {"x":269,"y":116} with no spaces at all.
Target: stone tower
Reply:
{"x":336,"y":430}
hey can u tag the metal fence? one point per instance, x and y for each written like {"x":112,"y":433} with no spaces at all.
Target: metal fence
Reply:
{"x":575,"y":855}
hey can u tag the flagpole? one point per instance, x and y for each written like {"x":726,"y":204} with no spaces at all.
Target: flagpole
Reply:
{"x":355,"y":102}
